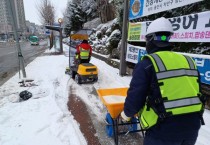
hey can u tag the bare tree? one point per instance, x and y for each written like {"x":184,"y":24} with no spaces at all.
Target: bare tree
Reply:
{"x":46,"y":11}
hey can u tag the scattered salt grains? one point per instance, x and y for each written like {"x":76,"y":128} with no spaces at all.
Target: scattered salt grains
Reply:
{"x":111,"y":99}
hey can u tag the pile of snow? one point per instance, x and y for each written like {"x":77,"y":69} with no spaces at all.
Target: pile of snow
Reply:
{"x":44,"y":118}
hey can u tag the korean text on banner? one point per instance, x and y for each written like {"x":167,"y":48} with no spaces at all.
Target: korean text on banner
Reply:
{"x":203,"y":66}
{"x":134,"y":31}
{"x":140,"y":8}
{"x":134,"y":53}
{"x":188,"y":28}
{"x":142,"y":31}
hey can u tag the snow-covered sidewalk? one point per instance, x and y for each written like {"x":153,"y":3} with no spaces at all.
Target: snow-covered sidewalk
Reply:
{"x":44,"y":119}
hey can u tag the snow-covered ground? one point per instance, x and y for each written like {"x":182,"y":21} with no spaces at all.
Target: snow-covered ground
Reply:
{"x":44,"y":119}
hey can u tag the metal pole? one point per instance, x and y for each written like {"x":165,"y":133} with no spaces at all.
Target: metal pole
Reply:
{"x":61,"y":35}
{"x":14,"y":25}
{"x":61,"y":44}
{"x":124,"y":40}
{"x":70,"y":51}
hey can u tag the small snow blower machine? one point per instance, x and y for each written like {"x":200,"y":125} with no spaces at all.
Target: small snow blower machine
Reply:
{"x":85,"y":72}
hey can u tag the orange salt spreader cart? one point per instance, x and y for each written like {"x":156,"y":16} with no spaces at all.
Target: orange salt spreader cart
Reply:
{"x":113,"y":115}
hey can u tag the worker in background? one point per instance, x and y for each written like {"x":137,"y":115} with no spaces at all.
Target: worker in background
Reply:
{"x":83,"y":52}
{"x":165,"y":92}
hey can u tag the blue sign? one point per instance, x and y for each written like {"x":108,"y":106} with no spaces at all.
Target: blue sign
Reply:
{"x":142,"y":53}
{"x":136,"y":9}
{"x":203,"y":66}
{"x":47,"y":32}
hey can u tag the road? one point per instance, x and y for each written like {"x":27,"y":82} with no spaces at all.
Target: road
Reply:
{"x":9,"y":63}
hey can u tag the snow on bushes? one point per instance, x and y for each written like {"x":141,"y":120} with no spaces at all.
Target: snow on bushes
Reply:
{"x":114,"y":38}
{"x":108,"y":31}
{"x":106,"y":39}
{"x":99,"y":34}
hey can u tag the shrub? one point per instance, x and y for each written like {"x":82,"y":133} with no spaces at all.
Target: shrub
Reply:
{"x":114,"y":38}
{"x":99,"y":34}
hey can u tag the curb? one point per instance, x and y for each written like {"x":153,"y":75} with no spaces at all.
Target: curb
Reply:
{"x":112,"y":62}
{"x":109,"y":61}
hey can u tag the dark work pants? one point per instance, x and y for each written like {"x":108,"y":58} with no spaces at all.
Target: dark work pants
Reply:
{"x":77,"y":62}
{"x":153,"y":141}
{"x":84,"y":60}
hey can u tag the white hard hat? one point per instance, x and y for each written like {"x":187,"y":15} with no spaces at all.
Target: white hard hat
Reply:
{"x":160,"y":25}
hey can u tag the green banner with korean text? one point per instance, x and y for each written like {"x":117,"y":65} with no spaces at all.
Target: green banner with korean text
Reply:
{"x":134,"y":31}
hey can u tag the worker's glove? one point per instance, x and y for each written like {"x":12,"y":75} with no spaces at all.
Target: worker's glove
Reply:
{"x":124,"y":117}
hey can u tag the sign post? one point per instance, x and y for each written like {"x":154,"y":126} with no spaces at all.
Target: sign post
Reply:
{"x":14,"y":24}
{"x":124,"y":39}
{"x":60,"y":21}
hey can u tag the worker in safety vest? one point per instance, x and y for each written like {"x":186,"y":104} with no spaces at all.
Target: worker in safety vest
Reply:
{"x":83,"y":53}
{"x":165,"y":92}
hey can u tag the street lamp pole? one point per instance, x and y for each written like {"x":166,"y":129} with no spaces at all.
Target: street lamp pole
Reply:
{"x":14,"y":24}
{"x":61,"y":35}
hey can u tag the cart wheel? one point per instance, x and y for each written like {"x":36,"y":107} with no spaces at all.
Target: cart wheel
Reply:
{"x":134,"y":126}
{"x":109,"y":128}
{"x":96,"y":79}
{"x":72,"y":73}
{"x":78,"y":79}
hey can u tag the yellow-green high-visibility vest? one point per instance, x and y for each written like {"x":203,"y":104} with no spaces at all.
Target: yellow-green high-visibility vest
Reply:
{"x":84,"y":54}
{"x":177,"y":77}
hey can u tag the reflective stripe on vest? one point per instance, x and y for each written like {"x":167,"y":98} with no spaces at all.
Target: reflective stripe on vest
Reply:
{"x":84,"y":54}
{"x":182,"y":103}
{"x":161,"y":66}
{"x":190,"y":61}
{"x":180,"y":88}
{"x":159,"y":62}
{"x":176,"y":73}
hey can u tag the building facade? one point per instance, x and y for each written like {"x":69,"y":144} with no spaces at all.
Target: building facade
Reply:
{"x":20,"y":15}
{"x":5,"y":19}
